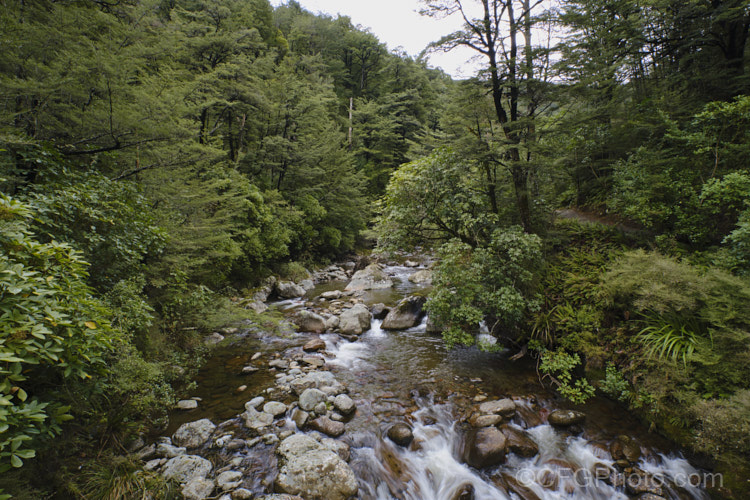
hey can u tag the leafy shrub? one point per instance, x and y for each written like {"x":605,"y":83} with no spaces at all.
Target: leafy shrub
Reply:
{"x":558,"y":366}
{"x":494,"y":283}
{"x":294,"y":271}
{"x":614,"y":384}
{"x":52,"y":331}
{"x":111,"y":222}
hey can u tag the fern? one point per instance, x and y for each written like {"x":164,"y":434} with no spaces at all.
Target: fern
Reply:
{"x":670,"y":338}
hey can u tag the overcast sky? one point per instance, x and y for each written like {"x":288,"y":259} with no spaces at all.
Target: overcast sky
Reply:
{"x":397,"y":23}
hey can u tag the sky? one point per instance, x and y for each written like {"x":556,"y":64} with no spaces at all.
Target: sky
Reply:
{"x":397,"y":23}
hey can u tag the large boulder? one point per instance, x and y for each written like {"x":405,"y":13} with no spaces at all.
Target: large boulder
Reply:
{"x":485,"y":447}
{"x":186,"y":468}
{"x":406,"y":314}
{"x":370,"y":278}
{"x":355,"y":320}
{"x":288,"y":290}
{"x":312,"y":471}
{"x":308,"y":321}
{"x":193,"y":434}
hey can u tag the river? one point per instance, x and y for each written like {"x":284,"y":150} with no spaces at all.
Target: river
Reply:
{"x":409,"y":376}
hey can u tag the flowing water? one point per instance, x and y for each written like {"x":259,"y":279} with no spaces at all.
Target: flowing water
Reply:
{"x":409,"y":376}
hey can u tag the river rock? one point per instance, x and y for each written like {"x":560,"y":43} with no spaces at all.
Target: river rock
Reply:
{"x":186,"y":468}
{"x":625,"y":448}
{"x":281,"y":364}
{"x":355,"y":320}
{"x":411,"y":263}
{"x":308,"y":321}
{"x":288,"y":290}
{"x":307,"y":284}
{"x":380,"y":311}
{"x":193,"y":434}
{"x":518,"y":442}
{"x":344,"y":404}
{"x":313,"y":361}
{"x":255,"y":402}
{"x":300,"y":417}
{"x":256,"y":306}
{"x":310,"y":398}
{"x":332,"y":323}
{"x":565,"y":418}
{"x":198,"y":489}
{"x":246,"y":370}
{"x":310,"y":470}
{"x":187,"y":404}
{"x":370,"y":278}
{"x":421,"y":277}
{"x":641,"y":483}
{"x":328,"y":426}
{"x":485,"y":420}
{"x":169,"y":451}
{"x":505,"y":407}
{"x":332,"y":295}
{"x":400,"y":434}
{"x":229,"y":480}
{"x":323,"y":380}
{"x":406,"y":314}
{"x":314,"y":345}
{"x":484,"y":447}
{"x":522,"y":491}
{"x":274,"y":408}
{"x":257,"y":420}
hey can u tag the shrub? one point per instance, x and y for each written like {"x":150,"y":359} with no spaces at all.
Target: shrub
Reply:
{"x":495,"y":283}
{"x":53,"y":332}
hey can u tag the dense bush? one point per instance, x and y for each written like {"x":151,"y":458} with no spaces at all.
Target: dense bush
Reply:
{"x":54,"y":333}
{"x":495,"y":284}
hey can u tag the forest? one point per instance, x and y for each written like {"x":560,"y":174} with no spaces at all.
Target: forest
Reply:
{"x":160,"y":159}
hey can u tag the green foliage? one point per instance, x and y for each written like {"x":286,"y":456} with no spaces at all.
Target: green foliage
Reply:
{"x":738,"y":243}
{"x":614,"y":384}
{"x":723,"y":424}
{"x":53,"y":331}
{"x":670,"y":337}
{"x":434,"y":199}
{"x":117,"y":477}
{"x":495,"y":284}
{"x":140,"y":389}
{"x":559,"y":366}
{"x":110,"y":222}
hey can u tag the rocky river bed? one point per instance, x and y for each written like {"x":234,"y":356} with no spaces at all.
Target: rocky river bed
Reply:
{"x":359,"y":400}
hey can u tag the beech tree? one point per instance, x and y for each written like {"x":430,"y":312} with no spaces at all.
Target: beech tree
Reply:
{"x":502,"y":31}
